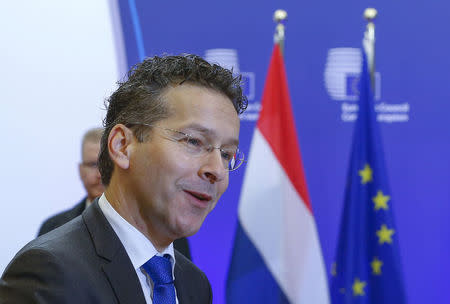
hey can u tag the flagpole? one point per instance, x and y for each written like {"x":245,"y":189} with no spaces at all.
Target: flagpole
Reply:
{"x":280,"y":16}
{"x":369,"y":41}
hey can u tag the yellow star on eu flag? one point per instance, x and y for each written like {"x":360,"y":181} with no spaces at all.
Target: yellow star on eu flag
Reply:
{"x":381,"y":201}
{"x":385,"y":235}
{"x":376,"y":266}
{"x":358,"y":287}
{"x":366,"y":174}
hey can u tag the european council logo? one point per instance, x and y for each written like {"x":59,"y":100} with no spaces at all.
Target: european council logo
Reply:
{"x":342,"y":71}
{"x":341,"y":78}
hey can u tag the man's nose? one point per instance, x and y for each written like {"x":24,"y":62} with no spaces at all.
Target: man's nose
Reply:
{"x":212,"y":167}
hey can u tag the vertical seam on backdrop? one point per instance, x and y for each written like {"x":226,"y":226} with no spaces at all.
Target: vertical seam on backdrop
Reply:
{"x":117,"y":29}
{"x":137,"y":29}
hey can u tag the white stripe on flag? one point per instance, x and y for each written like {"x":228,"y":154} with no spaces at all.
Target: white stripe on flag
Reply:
{"x":281,"y":227}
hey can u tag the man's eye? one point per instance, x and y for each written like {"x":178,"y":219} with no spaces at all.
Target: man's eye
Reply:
{"x":91,"y":164}
{"x":194,"y":141}
{"x":227,"y":155}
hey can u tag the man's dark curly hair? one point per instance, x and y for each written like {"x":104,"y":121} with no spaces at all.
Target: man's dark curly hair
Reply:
{"x":139,"y":98}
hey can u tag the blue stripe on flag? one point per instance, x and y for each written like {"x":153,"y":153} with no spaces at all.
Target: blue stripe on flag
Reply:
{"x":249,"y":280}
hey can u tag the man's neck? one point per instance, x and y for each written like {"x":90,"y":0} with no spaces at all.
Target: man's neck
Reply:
{"x":87,"y":202}
{"x":128,"y":208}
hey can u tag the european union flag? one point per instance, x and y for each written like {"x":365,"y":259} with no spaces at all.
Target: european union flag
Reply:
{"x":367,"y":267}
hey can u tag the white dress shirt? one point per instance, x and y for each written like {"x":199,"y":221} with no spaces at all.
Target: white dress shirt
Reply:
{"x":137,"y":246}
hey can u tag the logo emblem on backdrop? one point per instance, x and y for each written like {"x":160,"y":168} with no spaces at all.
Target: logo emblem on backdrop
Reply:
{"x":228,"y":58}
{"x":342,"y":72}
{"x":341,"y":79}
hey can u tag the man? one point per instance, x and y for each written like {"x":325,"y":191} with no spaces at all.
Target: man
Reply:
{"x":171,"y":138}
{"x":90,"y":176}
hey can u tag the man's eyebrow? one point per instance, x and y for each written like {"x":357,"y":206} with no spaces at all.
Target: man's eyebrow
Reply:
{"x":199,"y":128}
{"x":208,"y":132}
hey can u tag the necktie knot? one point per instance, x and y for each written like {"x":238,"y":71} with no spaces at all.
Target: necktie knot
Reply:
{"x":160,"y":270}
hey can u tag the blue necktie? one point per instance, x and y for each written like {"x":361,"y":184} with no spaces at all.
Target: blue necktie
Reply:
{"x":160,"y":270}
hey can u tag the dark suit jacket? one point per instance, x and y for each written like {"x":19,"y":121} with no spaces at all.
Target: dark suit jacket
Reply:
{"x":84,"y":261}
{"x":182,"y":245}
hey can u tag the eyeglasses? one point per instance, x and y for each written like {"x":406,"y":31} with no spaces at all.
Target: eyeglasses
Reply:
{"x":197,"y":146}
{"x":90,"y":165}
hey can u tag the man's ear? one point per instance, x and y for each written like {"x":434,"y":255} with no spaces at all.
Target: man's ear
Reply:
{"x":119,"y":140}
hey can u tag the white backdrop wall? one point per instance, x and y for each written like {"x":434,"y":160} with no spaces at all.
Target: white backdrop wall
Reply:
{"x":58,"y":64}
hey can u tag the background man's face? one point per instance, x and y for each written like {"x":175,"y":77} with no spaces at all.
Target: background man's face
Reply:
{"x":175,"y":190}
{"x":90,"y":176}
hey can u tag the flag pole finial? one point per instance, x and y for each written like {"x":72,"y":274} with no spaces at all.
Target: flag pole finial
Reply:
{"x":279,"y":16}
{"x":370,"y":13}
{"x":369,"y":41}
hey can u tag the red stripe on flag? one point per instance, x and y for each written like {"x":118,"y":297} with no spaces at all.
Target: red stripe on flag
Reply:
{"x":276,"y":124}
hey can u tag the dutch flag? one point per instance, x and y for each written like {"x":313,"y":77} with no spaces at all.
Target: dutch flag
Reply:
{"x":276,"y":256}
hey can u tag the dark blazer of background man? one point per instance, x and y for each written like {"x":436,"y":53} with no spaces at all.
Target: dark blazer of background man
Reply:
{"x":92,"y":183}
{"x":171,"y":136}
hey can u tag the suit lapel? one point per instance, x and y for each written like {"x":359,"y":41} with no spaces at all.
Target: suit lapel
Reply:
{"x":124,"y":281}
{"x":117,"y":267}
{"x":182,"y":292}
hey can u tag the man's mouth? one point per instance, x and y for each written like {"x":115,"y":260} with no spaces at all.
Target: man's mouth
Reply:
{"x":200,"y":196}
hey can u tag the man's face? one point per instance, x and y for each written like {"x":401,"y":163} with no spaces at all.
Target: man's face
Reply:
{"x":90,"y":176}
{"x":175,"y":190}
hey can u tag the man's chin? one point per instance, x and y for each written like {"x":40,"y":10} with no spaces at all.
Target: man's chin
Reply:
{"x":187,"y":229}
